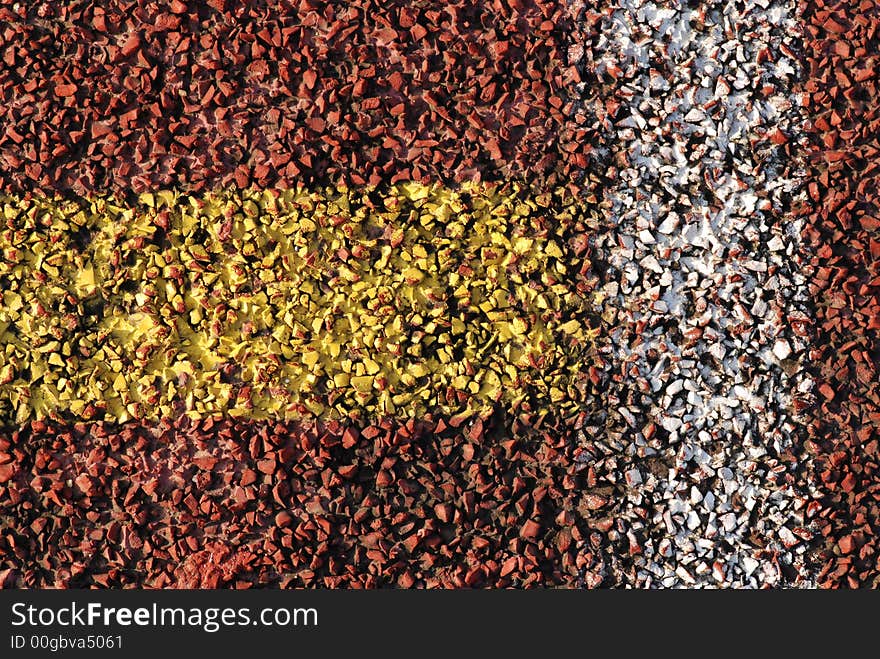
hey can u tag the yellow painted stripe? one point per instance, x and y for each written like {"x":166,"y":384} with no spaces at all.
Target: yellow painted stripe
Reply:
{"x":280,"y":304}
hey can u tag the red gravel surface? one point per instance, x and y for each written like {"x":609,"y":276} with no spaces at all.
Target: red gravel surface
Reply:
{"x":119,"y":95}
{"x":842,"y":236}
{"x":450,"y":503}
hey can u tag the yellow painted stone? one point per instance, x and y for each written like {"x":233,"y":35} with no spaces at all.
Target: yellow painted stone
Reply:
{"x":275,"y":304}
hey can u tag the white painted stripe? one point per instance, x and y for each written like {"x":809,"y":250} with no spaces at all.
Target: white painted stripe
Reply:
{"x":705,"y":272}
